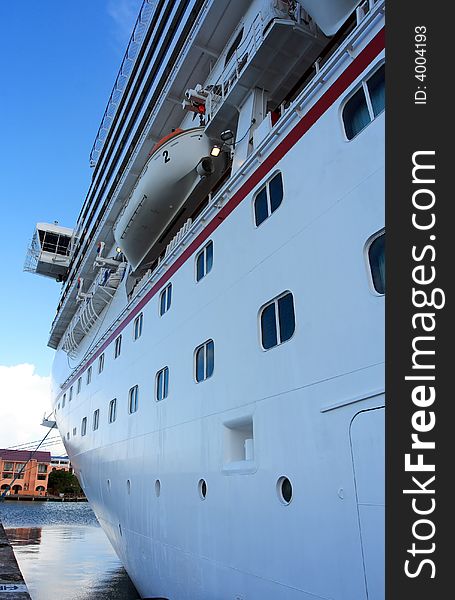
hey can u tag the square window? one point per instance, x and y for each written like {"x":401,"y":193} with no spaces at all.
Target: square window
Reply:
{"x":118,"y":346}
{"x":112,"y":414}
{"x":137,"y":328}
{"x":96,"y":419}
{"x":204,"y":261}
{"x":204,"y":361}
{"x":277,"y":321}
{"x":162,"y":384}
{"x":165,"y":299}
{"x":133,"y":399}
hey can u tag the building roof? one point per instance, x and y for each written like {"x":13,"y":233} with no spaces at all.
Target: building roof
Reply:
{"x":24,"y":455}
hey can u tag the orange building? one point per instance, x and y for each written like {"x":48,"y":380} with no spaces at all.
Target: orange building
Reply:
{"x":24,"y":472}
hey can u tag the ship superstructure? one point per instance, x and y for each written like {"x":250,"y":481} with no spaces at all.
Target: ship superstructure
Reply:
{"x":218,"y":378}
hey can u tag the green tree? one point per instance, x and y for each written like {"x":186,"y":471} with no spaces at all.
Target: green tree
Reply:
{"x":63,"y":482}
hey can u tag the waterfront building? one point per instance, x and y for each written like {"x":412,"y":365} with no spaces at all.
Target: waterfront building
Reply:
{"x":24,"y":472}
{"x":61,"y":463}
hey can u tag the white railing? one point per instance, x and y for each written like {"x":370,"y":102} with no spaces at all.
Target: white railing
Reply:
{"x":242,"y":56}
{"x":93,"y":303}
{"x":232,"y":71}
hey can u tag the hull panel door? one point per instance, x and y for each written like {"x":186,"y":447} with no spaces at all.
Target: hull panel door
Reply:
{"x":368,"y":455}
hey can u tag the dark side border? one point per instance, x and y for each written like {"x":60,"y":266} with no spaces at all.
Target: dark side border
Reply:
{"x":420,"y":361}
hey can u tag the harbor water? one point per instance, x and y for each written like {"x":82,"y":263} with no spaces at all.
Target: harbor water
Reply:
{"x":63,"y":552}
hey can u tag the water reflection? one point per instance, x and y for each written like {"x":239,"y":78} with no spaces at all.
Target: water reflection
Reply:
{"x":25,"y":536}
{"x":65,"y":559}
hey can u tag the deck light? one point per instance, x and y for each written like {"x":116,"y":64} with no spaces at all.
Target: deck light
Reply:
{"x":215,"y":151}
{"x":227,"y":136}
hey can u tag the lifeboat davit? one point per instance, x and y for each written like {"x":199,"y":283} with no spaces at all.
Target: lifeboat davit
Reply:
{"x":179,"y":168}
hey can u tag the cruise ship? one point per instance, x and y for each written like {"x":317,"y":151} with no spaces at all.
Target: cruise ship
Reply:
{"x":219,"y":370}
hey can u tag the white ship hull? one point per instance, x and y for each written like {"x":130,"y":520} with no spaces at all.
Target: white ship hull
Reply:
{"x":313,"y":405}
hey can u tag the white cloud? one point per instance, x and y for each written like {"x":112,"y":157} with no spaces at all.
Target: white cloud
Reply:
{"x":24,"y":398}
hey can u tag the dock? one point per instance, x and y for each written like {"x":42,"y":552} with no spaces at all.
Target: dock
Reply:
{"x":47,"y":498}
{"x":12,"y":584}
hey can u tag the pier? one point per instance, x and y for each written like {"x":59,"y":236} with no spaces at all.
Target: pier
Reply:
{"x":47,"y":498}
{"x":12,"y":584}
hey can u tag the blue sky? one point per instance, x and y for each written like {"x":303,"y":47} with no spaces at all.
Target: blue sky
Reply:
{"x":59,"y":63}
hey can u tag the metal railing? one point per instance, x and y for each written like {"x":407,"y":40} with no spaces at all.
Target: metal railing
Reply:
{"x":241,"y":57}
{"x":93,"y":303}
{"x":237,"y":63}
{"x":51,"y":243}
{"x":136,"y":39}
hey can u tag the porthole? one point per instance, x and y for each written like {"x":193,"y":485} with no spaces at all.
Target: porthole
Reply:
{"x":202,"y":487}
{"x":157,"y":488}
{"x":109,"y":485}
{"x":128,"y":486}
{"x":284,"y":490}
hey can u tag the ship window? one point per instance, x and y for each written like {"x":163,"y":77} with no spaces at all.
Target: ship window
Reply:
{"x":112,"y":410}
{"x":133,"y":399}
{"x":8,"y":466}
{"x":138,"y":326}
{"x":96,"y":419}
{"x":70,"y":394}
{"x":202,"y":488}
{"x":165,"y":299}
{"x":157,"y":488}
{"x":89,"y":375}
{"x":365,"y":104}
{"x":84,"y":426}
{"x":284,"y":490}
{"x":233,"y":47}
{"x":204,"y":261}
{"x":79,"y":385}
{"x":118,"y":346}
{"x":268,"y":199}
{"x":74,"y":431}
{"x":63,"y":400}
{"x":204,"y":359}
{"x":101,"y":363}
{"x":68,"y":435}
{"x":277,"y":321}
{"x":162,"y":384}
{"x":376,"y":260}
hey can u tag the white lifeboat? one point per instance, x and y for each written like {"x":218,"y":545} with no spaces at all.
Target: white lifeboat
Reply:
{"x":178,"y":164}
